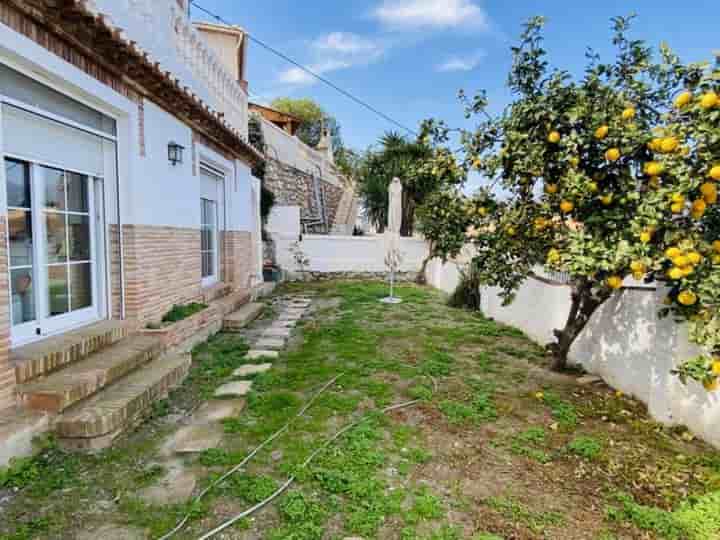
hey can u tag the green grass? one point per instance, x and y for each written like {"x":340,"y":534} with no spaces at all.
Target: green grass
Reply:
{"x":182,"y":311}
{"x":698,"y":518}
{"x":386,"y":476}
{"x":586,"y":447}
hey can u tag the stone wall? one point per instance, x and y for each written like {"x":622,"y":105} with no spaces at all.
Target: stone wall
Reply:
{"x":293,"y":187}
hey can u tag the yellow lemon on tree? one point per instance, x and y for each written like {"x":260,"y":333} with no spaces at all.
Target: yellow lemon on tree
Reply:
{"x":601,"y":132}
{"x":687,"y":270}
{"x":677,"y":208}
{"x":711,"y":384}
{"x":676,"y":273}
{"x":614,"y":282}
{"x":715,"y":172}
{"x":716,"y":259}
{"x":716,"y":245}
{"x":628,"y":113}
{"x":655,"y":145}
{"x":653,"y":168}
{"x":593,"y":187}
{"x":709,"y":100}
{"x":645,"y":237}
{"x":554,"y":137}
{"x":673,"y":252}
{"x":694,"y":257}
{"x":551,"y":188}
{"x":683,"y":99}
{"x":677,"y":198}
{"x":613,"y":154}
{"x":669,"y":144}
{"x":637,"y":266}
{"x":698,"y":208}
{"x":567,"y":206}
{"x":681,"y":261}
{"x":553,"y":255}
{"x":574,"y":161}
{"x":607,"y":199}
{"x":687,"y":298}
{"x":709,"y":192}
{"x":716,"y":366}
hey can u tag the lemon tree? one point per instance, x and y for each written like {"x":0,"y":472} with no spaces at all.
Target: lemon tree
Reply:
{"x":607,"y":177}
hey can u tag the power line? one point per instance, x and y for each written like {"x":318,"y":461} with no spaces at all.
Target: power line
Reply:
{"x":310,"y":72}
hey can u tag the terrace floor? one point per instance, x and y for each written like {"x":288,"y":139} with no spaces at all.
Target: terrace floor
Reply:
{"x":496,"y":445}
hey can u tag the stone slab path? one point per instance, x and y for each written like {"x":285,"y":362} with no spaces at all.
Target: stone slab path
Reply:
{"x":251,"y":369}
{"x":204,"y":429}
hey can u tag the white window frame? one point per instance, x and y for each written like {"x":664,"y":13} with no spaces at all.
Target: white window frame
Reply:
{"x":211,"y":279}
{"x":45,"y":325}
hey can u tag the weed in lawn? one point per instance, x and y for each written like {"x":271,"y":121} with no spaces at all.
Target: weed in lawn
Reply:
{"x":697,"y":518}
{"x":517,"y":512}
{"x":437,"y":364}
{"x":480,"y":409}
{"x":251,"y":489}
{"x":586,"y":447}
{"x":425,"y":507}
{"x":563,"y":411}
{"x":527,"y":444}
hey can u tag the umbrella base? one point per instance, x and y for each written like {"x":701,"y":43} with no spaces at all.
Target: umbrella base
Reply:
{"x":391,"y":300}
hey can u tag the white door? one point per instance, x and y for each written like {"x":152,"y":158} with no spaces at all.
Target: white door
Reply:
{"x":52,"y":249}
{"x":211,"y":208}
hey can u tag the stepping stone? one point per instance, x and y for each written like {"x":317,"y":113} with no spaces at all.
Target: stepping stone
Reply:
{"x":175,"y":487}
{"x":288,"y":323}
{"x":234,"y":389}
{"x":214,"y":411}
{"x":272,"y":344}
{"x":251,"y":369}
{"x":112,"y":532}
{"x":275,"y":331}
{"x":257,"y":354}
{"x":196,"y":438}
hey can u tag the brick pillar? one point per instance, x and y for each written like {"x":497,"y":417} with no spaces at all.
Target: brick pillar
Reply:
{"x":7,"y":373}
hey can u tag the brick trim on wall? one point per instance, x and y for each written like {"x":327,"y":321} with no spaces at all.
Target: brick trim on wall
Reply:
{"x":7,"y":372}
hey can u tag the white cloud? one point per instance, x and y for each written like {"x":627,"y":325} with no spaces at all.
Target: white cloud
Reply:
{"x":412,"y":14}
{"x":347,"y":43}
{"x":458,"y":63}
{"x":297,"y":76}
{"x":333,"y":52}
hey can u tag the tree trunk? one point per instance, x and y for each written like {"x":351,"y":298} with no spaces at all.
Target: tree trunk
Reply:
{"x":421,"y":279}
{"x":584,"y":304}
{"x":407,"y":225}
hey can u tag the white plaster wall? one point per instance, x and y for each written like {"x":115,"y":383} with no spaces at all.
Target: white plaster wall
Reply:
{"x":150,"y":24}
{"x":348,"y":253}
{"x":284,"y":220}
{"x":625,"y":343}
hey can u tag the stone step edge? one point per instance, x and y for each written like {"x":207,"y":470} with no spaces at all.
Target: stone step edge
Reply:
{"x":243,"y":316}
{"x":76,"y":387}
{"x":29,"y":368}
{"x":95,"y":423}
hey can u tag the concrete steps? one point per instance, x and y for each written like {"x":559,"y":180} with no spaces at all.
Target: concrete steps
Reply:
{"x":240,"y":318}
{"x":78,"y":381}
{"x":96,"y":422}
{"x":52,"y":354}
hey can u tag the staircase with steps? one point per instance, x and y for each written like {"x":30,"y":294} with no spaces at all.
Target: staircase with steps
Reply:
{"x":96,"y":382}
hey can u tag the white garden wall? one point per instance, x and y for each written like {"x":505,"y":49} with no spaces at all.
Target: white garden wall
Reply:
{"x":347,"y":254}
{"x":625,"y":343}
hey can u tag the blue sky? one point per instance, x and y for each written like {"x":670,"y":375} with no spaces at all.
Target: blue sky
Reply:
{"x":408,"y":58}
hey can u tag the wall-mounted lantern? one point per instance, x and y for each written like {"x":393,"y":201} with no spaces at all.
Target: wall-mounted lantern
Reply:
{"x":175,"y":153}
